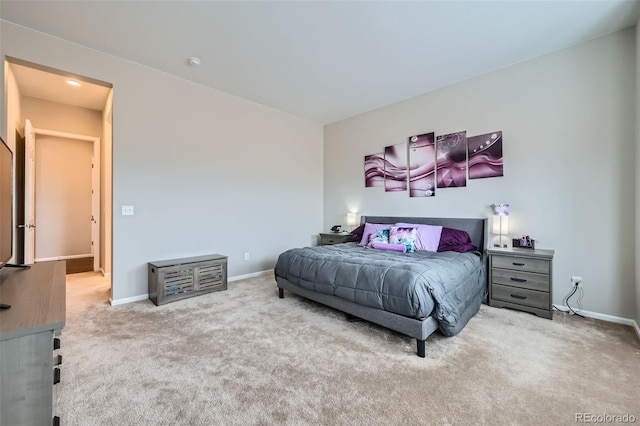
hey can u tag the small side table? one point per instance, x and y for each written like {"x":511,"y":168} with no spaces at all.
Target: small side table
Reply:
{"x":521,"y":279}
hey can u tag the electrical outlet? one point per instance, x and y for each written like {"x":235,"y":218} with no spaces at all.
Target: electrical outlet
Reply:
{"x":246,"y":255}
{"x":127,"y":210}
{"x":576,"y":280}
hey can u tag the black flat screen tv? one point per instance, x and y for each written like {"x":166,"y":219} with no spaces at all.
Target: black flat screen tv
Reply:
{"x":6,"y":203}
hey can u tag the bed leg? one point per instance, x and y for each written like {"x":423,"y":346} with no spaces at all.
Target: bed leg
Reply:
{"x":280,"y":293}
{"x":421,"y":348}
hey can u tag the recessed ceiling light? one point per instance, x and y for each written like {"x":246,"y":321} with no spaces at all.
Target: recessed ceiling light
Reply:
{"x":73,"y":83}
{"x":193,"y":61}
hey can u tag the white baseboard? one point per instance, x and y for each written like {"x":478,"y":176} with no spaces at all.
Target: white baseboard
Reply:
{"x":608,"y":318}
{"x":146,"y":296}
{"x":74,"y":256}
{"x":129,"y":299}
{"x":251,"y":275}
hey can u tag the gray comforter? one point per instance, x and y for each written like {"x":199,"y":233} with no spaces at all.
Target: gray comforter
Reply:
{"x":448,"y":286}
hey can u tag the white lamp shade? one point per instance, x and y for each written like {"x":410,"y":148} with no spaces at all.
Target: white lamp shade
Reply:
{"x":501,"y":225}
{"x":351,"y":219}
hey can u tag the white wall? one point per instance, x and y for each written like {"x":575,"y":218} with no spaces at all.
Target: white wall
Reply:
{"x":105,"y":185}
{"x":568,"y":125}
{"x":207,"y":172}
{"x":14,"y":122}
{"x":3,"y":82}
{"x":637,"y":209}
{"x":50,"y":115}
{"x":14,"y":119}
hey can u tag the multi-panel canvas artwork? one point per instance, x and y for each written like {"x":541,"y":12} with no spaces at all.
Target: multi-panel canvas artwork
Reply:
{"x":427,"y":162}
{"x":374,"y":170}
{"x":395,"y":167}
{"x":422,"y":165}
{"x":451,"y":158}
{"x":485,"y":155}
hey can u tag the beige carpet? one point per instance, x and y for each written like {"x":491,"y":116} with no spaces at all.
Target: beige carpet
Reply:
{"x":244,"y":357}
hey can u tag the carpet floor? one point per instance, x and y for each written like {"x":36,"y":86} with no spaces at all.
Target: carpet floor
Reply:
{"x":245,"y":357}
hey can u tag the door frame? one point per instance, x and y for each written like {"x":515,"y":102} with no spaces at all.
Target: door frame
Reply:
{"x":19,"y":195}
{"x":30,"y":146}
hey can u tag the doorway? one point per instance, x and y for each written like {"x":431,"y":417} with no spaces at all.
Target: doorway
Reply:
{"x":62,"y":201}
{"x":58,"y":110}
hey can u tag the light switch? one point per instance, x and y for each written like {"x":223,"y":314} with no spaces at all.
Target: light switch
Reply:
{"x":127,"y":210}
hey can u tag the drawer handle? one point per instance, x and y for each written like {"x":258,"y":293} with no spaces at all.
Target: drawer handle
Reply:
{"x":520,"y":280}
{"x":56,"y":376}
{"x":518,"y":264}
{"x":56,"y":343}
{"x":517,"y":296}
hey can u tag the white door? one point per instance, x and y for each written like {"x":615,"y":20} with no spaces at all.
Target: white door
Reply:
{"x":63,"y":214}
{"x":30,"y":191}
{"x":30,"y":194}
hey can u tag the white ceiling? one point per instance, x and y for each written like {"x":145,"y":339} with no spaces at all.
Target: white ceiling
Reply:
{"x":48,"y":85}
{"x":326,"y":60}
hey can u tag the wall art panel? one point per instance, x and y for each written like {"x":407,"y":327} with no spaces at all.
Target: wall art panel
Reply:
{"x":395,"y":167}
{"x":422,"y":165}
{"x":485,"y":156}
{"x":451,"y":159}
{"x":374,"y":170}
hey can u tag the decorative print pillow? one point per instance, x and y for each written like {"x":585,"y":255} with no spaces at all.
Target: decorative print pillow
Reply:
{"x":381,"y":236}
{"x":404,"y":236}
{"x":371,"y":228}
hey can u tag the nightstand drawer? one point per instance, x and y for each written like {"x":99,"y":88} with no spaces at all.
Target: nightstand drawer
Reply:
{"x":519,"y":279}
{"x":327,"y":239}
{"x":536,"y":299}
{"x":540,"y":266}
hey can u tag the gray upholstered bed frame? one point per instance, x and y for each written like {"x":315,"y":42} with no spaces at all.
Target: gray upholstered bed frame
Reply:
{"x":419,"y":329}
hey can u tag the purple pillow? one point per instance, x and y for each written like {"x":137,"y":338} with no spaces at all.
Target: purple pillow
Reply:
{"x":460,"y":248}
{"x":390,"y":247}
{"x":357,"y":234}
{"x":428,"y":236}
{"x":455,"y":240}
{"x":372,"y":228}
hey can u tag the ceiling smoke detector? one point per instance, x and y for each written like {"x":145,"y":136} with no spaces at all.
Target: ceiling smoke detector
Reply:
{"x":193,"y":61}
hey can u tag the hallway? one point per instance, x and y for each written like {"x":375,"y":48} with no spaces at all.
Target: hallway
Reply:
{"x":84,"y":290}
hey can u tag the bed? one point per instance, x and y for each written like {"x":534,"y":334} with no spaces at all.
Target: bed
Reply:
{"x":412,"y":293}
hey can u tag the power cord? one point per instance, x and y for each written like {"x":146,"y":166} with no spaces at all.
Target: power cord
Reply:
{"x":576,"y":289}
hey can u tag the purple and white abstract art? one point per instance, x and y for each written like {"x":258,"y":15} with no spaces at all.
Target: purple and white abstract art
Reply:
{"x":485,"y":156}
{"x":374,"y":170}
{"x":422,"y":165}
{"x":395,"y":167}
{"x":451,"y":159}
